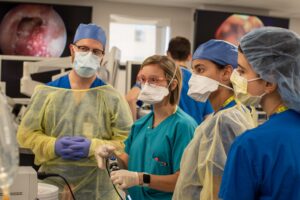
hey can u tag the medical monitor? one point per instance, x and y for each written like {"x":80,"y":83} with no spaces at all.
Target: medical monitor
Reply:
{"x":132,"y":70}
{"x":39,"y":29}
{"x":230,"y":26}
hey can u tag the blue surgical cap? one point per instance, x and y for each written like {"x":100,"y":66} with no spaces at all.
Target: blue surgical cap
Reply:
{"x":219,"y":51}
{"x":91,"y":31}
{"x":274,"y":54}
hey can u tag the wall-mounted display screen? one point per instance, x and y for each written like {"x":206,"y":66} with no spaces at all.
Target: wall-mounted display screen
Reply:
{"x":43,"y":30}
{"x":230,"y":26}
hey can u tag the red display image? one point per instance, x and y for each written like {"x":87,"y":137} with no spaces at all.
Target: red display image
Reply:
{"x":236,"y":26}
{"x":32,"y":30}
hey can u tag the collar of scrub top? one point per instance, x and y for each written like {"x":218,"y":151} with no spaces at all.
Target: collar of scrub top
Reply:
{"x":280,"y":109}
{"x":227,"y":104}
{"x":150,"y":126}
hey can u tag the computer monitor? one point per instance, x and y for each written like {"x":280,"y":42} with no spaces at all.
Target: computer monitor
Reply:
{"x":230,"y":26}
{"x":132,"y":70}
{"x":39,"y":29}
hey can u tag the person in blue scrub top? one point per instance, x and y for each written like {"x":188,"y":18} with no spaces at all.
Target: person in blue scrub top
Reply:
{"x":264,"y":163}
{"x":69,"y":117}
{"x":203,"y":160}
{"x":84,"y":77}
{"x":179,"y":50}
{"x":157,"y":140}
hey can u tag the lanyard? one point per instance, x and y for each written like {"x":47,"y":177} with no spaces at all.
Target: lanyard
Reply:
{"x":281,"y":109}
{"x":227,"y":101}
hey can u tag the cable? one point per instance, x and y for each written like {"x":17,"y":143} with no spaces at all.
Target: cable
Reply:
{"x":109,"y":169}
{"x":43,"y":175}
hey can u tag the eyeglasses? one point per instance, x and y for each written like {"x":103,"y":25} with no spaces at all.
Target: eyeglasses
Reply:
{"x":151,"y":79}
{"x":97,"y":52}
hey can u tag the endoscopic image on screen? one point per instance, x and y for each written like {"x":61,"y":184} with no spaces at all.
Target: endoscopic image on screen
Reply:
{"x":230,"y":26}
{"x":43,"y":30}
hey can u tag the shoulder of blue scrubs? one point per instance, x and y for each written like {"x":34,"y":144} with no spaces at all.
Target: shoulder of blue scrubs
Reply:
{"x":64,"y":82}
{"x":186,"y":74}
{"x":98,"y":82}
{"x":258,"y":154}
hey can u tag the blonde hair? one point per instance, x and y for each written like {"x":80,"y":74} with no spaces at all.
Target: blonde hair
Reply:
{"x":169,"y":68}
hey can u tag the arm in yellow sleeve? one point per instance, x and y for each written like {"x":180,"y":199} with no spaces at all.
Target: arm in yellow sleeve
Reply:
{"x":120,"y":124}
{"x":41,"y":145}
{"x":31,"y":132}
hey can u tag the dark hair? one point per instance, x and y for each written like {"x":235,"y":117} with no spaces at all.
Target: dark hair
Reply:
{"x":219,"y":66}
{"x":179,"y":48}
{"x":240,"y":49}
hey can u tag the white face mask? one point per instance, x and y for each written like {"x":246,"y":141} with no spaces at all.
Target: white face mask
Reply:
{"x":86,"y":64}
{"x":200,"y":87}
{"x":152,"y":94}
{"x":240,"y":87}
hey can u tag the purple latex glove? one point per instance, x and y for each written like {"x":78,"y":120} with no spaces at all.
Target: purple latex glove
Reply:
{"x":63,"y":147}
{"x":81,"y":148}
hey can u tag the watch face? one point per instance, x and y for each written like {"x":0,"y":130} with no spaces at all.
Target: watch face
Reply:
{"x":146,"y":178}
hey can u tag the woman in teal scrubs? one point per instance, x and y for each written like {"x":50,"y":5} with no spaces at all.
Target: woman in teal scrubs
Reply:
{"x":264,"y":162}
{"x":155,"y":145}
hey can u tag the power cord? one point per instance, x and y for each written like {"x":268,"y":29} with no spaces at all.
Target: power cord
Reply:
{"x":112,"y":166}
{"x":43,"y":175}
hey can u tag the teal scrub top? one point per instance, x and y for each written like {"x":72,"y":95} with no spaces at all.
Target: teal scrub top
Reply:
{"x":158,"y":150}
{"x":264,"y":162}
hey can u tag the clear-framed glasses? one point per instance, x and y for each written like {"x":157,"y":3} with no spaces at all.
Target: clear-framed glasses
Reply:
{"x":96,"y":52}
{"x":151,"y":79}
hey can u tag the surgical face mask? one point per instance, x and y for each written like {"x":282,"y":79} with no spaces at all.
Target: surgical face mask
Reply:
{"x":86,"y":64}
{"x":200,"y":87}
{"x":153,"y":94}
{"x":240,"y":87}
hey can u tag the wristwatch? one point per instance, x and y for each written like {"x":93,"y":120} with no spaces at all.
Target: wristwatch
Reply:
{"x":146,"y":179}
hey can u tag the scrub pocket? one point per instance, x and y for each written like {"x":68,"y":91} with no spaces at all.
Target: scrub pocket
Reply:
{"x":161,"y":165}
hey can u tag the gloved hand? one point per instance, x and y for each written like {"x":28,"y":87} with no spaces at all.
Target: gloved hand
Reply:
{"x":102,"y":153}
{"x":124,"y":178}
{"x":81,"y":147}
{"x":63,"y":147}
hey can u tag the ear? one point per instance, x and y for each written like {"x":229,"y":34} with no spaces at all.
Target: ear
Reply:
{"x":71,"y":49}
{"x":72,"y":52}
{"x":173,"y":84}
{"x":189,"y":58}
{"x":226,"y":73}
{"x":270,"y":87}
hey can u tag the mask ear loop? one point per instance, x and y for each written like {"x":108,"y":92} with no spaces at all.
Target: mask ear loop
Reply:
{"x":225,"y":86}
{"x":173,"y":76}
{"x":254,"y":79}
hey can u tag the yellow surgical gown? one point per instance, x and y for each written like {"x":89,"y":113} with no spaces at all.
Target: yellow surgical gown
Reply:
{"x":100,"y":114}
{"x":203,"y":161}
